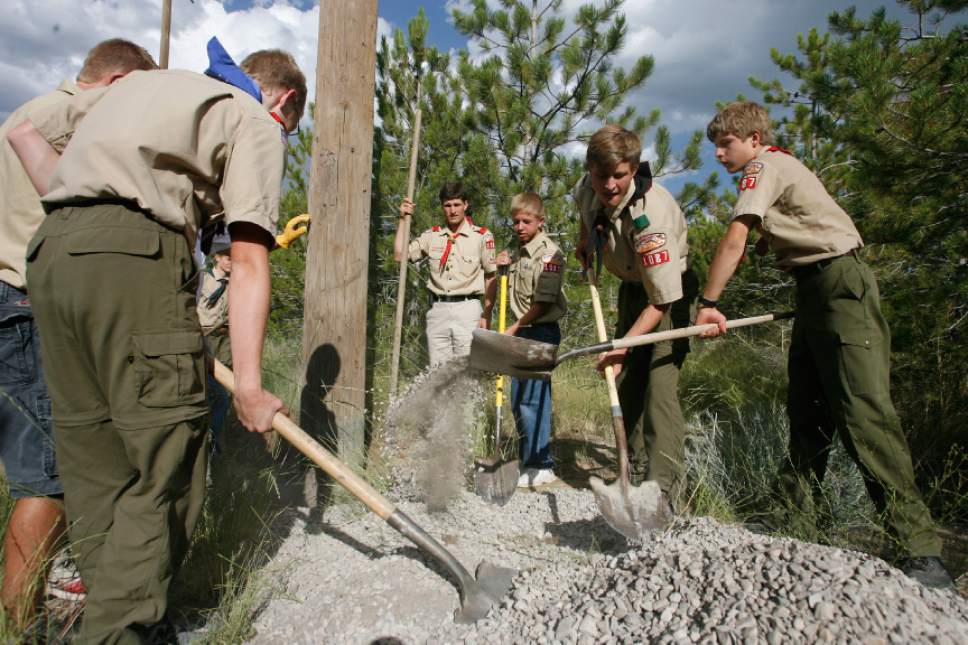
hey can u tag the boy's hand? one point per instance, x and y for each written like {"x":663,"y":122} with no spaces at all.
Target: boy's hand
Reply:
{"x":581,"y":253}
{"x":406,"y":208}
{"x":484,"y":323}
{"x":613,"y":358}
{"x":711,"y":315}
{"x":512,"y":330}
{"x":503,"y":258}
{"x":255,"y":409}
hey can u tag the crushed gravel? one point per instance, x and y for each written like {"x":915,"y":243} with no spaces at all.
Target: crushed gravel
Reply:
{"x":353,"y":579}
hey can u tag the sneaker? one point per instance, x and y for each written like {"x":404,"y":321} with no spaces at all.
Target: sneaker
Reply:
{"x":524,"y":480}
{"x":65,"y":582}
{"x":929,"y":571}
{"x":543,"y":476}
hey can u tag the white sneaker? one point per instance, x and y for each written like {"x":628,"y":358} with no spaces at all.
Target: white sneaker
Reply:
{"x":543,"y":476}
{"x":524,"y":480}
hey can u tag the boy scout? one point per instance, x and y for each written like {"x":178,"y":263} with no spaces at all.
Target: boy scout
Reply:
{"x":536,"y":300}
{"x":150,"y":161}
{"x":213,"y":316}
{"x":462,"y":266}
{"x":840,"y":349}
{"x":26,"y":436}
{"x":642,"y":234}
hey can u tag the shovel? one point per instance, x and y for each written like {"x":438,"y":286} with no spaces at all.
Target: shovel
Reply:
{"x":524,"y":358}
{"x":496,"y":480}
{"x":477,"y":593}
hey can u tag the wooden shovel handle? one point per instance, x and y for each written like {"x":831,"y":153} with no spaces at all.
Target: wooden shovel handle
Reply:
{"x":319,"y":455}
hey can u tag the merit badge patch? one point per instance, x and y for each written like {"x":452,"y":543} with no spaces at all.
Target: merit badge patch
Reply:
{"x":655,"y":259}
{"x":649,"y":242}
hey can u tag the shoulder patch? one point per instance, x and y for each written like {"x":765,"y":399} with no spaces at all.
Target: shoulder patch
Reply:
{"x":655,"y":259}
{"x":548,"y":257}
{"x":648,"y":242}
{"x":752,"y":168}
{"x":551,"y":265}
{"x":489,"y":243}
{"x":748,"y":182}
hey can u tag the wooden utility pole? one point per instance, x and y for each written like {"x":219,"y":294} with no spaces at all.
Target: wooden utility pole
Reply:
{"x":334,"y":333}
{"x":165,"y":33}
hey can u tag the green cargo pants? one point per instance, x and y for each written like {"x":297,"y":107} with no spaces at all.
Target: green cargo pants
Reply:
{"x":114,"y":296}
{"x":839,"y":368}
{"x":649,"y":389}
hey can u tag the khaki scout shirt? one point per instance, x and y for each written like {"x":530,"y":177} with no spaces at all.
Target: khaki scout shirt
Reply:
{"x":458,"y":264}
{"x":801,"y":221}
{"x":213,"y":316}
{"x":184,"y":146}
{"x":656,"y":255}
{"x":20,"y":211}
{"x":536,"y":274}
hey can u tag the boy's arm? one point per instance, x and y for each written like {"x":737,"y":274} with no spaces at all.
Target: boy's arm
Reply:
{"x":729,"y":253}
{"x":248,"y":311}
{"x":400,"y":244}
{"x":38,"y":157}
{"x":490,"y":287}
{"x":645,"y":323}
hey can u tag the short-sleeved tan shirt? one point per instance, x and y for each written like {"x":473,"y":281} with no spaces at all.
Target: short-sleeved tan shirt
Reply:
{"x":213,"y":315}
{"x":183,"y":146}
{"x":458,"y":264}
{"x":801,"y":221}
{"x":655,"y":255}
{"x":536,"y":274}
{"x":20,"y":211}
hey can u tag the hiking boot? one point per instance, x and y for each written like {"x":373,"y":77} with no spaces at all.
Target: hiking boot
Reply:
{"x":929,"y":571}
{"x":65,"y":582}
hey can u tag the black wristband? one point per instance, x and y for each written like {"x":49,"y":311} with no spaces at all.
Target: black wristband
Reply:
{"x":707,"y":303}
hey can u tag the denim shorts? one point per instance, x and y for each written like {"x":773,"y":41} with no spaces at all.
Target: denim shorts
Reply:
{"x":26,"y":431}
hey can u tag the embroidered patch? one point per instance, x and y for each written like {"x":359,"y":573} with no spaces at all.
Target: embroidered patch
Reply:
{"x":489,"y":244}
{"x":747,"y":182}
{"x":649,"y":242}
{"x":551,"y":267}
{"x":752,"y":168}
{"x":655,"y":259}
{"x":548,"y":257}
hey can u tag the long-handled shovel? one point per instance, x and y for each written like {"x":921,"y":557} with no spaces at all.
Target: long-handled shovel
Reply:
{"x":477,"y":593}
{"x":494,"y":479}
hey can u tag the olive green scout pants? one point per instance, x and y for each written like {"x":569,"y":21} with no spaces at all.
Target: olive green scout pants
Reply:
{"x":649,"y":389}
{"x":839,"y":370}
{"x":114,"y":296}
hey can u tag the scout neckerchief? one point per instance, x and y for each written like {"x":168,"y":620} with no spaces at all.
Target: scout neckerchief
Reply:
{"x":222,"y":67}
{"x":223,"y":284}
{"x":450,"y":243}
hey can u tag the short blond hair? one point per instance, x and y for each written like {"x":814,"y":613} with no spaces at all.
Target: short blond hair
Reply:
{"x":114,"y":56}
{"x":529,"y":203}
{"x":277,"y":69}
{"x":741,"y":119}
{"x":611,"y":146}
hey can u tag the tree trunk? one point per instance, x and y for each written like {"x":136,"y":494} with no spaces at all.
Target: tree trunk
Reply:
{"x":333,"y":401}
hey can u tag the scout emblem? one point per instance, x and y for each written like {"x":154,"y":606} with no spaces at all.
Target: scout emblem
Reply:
{"x":655,"y":259}
{"x":550,"y":264}
{"x":649,"y":242}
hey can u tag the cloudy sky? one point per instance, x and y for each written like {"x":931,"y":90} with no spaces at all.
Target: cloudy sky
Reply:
{"x":704,"y":49}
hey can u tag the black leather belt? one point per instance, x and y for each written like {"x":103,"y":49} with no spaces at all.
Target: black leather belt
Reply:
{"x":434,"y":297}
{"x":819,"y":265}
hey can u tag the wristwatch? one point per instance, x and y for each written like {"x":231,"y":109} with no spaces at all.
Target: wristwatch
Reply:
{"x":706,"y":303}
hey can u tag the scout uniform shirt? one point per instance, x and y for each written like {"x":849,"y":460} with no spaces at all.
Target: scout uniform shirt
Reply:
{"x":536,"y":275}
{"x":20,"y":209}
{"x":801,"y":221}
{"x":650,"y":249}
{"x":458,"y":263}
{"x":183,"y":146}
{"x":213,"y":301}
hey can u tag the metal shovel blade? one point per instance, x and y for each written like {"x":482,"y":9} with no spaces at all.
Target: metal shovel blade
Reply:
{"x":502,"y":354}
{"x":491,"y":584}
{"x":496,"y":480}
{"x":631,"y":510}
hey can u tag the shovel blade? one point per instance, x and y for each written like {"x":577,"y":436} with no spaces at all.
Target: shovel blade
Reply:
{"x":502,"y":354}
{"x":495,"y":480}
{"x":490,"y":586}
{"x":633,"y":511}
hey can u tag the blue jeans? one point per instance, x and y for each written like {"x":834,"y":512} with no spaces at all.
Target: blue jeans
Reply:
{"x":26,"y":432}
{"x":531,"y":404}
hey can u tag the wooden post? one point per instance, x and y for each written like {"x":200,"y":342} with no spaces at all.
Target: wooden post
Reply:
{"x":165,"y":33}
{"x":405,"y":233}
{"x":334,"y":333}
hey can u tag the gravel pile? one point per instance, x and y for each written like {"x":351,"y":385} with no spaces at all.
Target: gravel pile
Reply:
{"x":352,"y":579}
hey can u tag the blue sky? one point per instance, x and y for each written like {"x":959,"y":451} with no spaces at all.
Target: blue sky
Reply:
{"x":704,"y":49}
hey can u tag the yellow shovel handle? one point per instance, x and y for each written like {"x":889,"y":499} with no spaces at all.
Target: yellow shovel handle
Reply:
{"x":502,"y":312}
